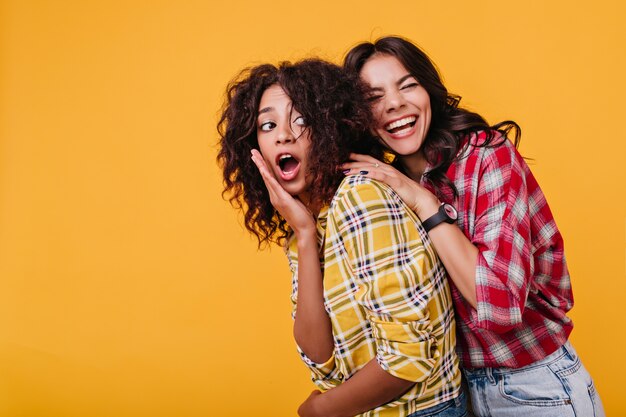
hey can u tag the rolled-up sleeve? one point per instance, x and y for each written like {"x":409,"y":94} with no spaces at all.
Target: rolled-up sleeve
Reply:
{"x":324,"y":375}
{"x":503,"y":236}
{"x":395,"y":275}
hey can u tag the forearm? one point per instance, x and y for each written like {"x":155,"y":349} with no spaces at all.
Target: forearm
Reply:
{"x":312,"y":329}
{"x":458,"y":255}
{"x":367,"y":389}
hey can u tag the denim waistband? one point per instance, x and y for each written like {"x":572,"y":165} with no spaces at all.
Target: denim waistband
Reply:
{"x":566,"y":349}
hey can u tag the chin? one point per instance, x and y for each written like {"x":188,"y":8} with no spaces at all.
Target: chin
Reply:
{"x":405,"y":146}
{"x":405,"y":150}
{"x":294,"y":189}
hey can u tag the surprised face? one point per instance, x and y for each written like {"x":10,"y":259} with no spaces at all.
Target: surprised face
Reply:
{"x":284,"y":141}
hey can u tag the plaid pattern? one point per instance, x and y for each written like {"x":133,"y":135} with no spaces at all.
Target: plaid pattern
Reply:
{"x":387,"y":296}
{"x":522,"y":283}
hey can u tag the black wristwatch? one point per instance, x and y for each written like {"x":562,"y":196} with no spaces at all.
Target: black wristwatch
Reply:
{"x":446,"y":213}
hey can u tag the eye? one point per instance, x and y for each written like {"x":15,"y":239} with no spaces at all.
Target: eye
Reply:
{"x":267,"y":126}
{"x":299,"y":121}
{"x":373,"y":98}
{"x":410,"y":85}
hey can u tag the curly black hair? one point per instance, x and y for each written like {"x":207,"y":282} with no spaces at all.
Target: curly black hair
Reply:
{"x":338,"y":119}
{"x":450,"y":123}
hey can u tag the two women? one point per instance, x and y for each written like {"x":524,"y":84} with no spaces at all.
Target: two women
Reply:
{"x":376,"y":328}
{"x":480,"y":207}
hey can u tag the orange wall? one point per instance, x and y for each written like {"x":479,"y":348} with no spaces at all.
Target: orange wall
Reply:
{"x":128,"y":287}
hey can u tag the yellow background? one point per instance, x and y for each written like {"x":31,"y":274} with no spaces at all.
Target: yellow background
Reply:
{"x":128,"y":287}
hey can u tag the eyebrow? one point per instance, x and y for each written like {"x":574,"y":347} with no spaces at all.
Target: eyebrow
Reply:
{"x":400,"y":81}
{"x":266,"y":110}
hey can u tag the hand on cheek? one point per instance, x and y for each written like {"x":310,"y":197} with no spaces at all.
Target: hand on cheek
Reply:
{"x":293,"y":210}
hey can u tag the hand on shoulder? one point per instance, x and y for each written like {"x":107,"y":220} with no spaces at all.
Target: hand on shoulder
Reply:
{"x":419,"y":199}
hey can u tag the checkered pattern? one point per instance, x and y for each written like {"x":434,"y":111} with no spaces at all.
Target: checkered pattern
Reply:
{"x":522,"y":283}
{"x":387,"y":296}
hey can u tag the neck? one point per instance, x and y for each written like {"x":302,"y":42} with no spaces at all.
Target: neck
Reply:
{"x":414,"y":165}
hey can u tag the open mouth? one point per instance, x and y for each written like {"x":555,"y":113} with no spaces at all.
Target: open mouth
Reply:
{"x":288,"y":165}
{"x":401,"y":126}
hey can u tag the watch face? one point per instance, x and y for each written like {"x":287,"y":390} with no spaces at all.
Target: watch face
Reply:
{"x":450,"y":211}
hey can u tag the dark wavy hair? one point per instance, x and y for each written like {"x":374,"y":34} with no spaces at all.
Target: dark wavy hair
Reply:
{"x":337,"y":115}
{"x":450,"y":124}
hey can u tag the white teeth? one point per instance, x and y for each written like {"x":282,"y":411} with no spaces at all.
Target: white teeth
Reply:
{"x":285,"y":156}
{"x":402,"y":131}
{"x":400,"y":122}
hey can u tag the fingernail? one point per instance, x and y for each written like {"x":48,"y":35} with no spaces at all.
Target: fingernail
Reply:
{"x":363,"y":172}
{"x":345,"y":171}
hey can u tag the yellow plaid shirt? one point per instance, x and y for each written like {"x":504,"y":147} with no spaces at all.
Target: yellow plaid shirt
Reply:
{"x":387,"y":296}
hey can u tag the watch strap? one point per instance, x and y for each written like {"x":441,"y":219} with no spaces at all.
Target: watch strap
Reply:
{"x":440,"y":217}
{"x":434,"y":220}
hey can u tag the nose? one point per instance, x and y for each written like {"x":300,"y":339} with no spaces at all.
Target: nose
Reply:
{"x":284,"y":135}
{"x":395,"y":101}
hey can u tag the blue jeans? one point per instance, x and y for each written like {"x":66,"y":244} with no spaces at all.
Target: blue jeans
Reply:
{"x":558,"y":385}
{"x":456,"y":407}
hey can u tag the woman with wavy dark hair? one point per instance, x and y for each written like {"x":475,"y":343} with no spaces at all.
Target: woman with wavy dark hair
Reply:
{"x":376,"y":327}
{"x":500,"y":245}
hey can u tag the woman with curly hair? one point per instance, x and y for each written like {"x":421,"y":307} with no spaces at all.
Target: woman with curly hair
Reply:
{"x":502,"y":249}
{"x":372,"y":313}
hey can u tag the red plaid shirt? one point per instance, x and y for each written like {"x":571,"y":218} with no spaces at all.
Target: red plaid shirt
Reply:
{"x":523,"y":287}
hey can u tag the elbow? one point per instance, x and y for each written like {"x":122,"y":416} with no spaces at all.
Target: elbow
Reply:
{"x":319,"y":355}
{"x":318,"y":350}
{"x":472,"y":300}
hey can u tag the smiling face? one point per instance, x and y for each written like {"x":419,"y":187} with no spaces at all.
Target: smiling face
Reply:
{"x":400,"y":105}
{"x":283,"y":140}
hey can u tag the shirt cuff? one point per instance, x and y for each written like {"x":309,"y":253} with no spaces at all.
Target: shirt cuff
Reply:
{"x":406,"y":350}
{"x":325,"y":375}
{"x":495,"y":310}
